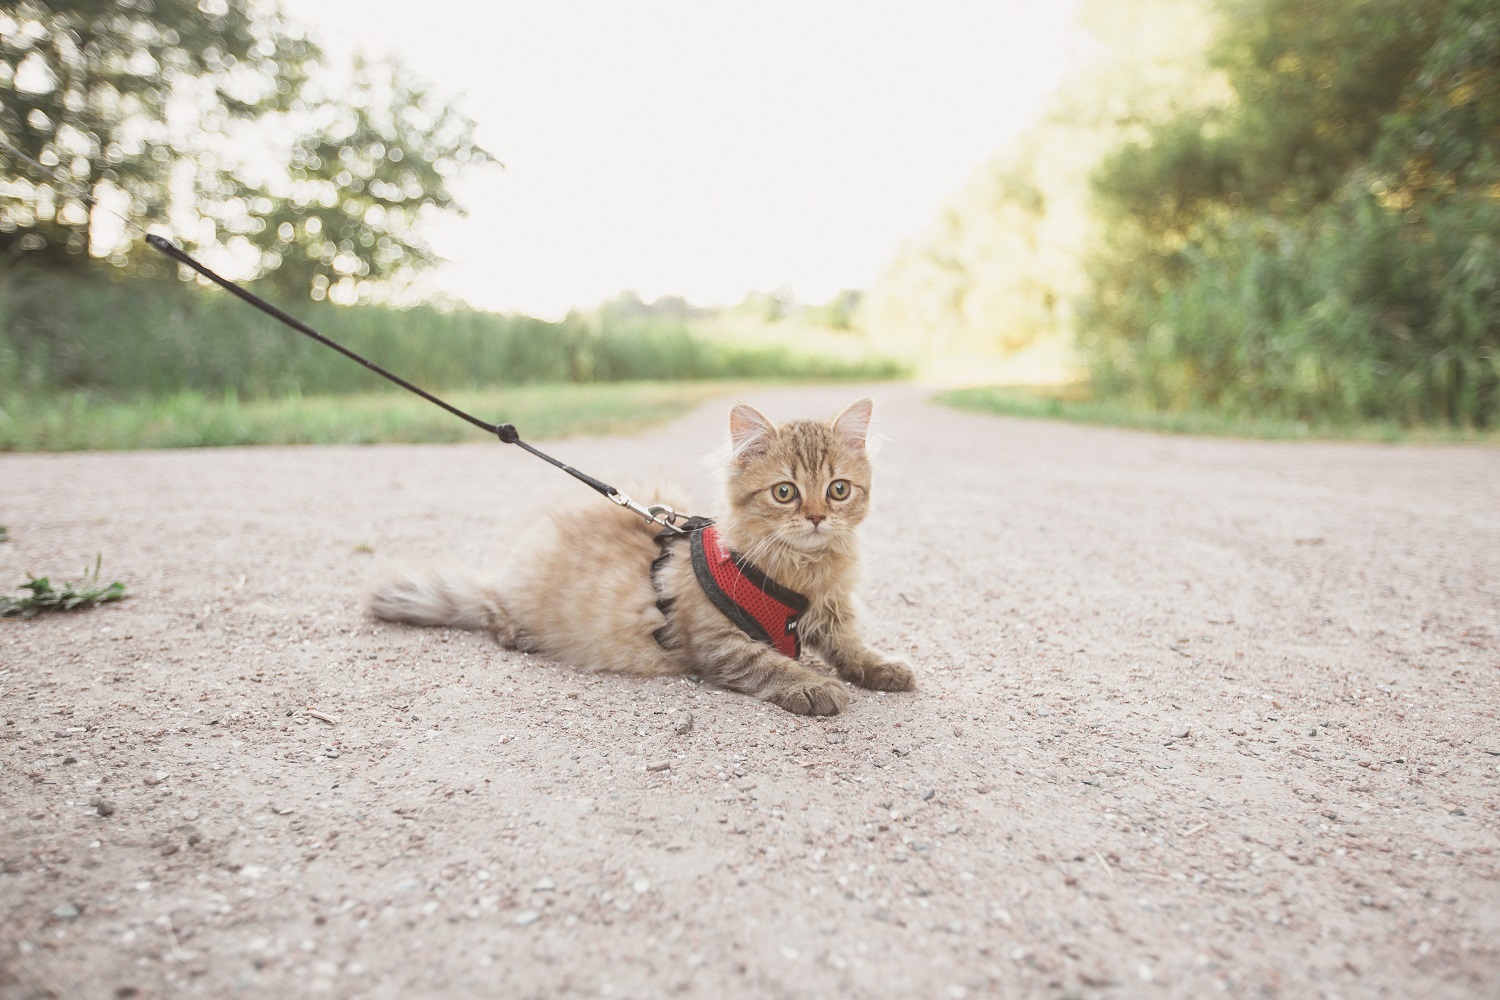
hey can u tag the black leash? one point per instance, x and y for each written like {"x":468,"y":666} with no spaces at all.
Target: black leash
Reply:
{"x":656,"y":513}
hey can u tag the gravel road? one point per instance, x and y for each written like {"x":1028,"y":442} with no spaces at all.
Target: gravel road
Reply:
{"x":1196,"y":718}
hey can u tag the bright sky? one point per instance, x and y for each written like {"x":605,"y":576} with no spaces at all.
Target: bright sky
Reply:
{"x":707,"y":149}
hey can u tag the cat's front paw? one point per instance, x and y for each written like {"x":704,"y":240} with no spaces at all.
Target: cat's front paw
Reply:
{"x":886,"y":675}
{"x":820,"y":696}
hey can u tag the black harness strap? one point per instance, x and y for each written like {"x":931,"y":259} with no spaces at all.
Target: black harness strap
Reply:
{"x":691,"y":526}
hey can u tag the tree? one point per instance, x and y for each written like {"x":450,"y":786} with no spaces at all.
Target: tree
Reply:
{"x":357,"y":186}
{"x":1322,"y":246}
{"x":1312,"y":80}
{"x":1443,"y":140}
{"x":999,"y":268}
{"x":147,"y":105}
{"x":86,"y":89}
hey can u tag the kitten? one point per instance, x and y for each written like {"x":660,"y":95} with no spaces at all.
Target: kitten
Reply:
{"x":601,"y":588}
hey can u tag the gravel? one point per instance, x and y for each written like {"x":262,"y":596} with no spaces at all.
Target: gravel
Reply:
{"x":1168,"y":827}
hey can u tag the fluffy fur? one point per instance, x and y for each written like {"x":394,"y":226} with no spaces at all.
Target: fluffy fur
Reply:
{"x":580,"y":589}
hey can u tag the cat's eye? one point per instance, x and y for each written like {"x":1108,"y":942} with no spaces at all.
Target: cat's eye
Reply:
{"x":839,"y":489}
{"x":784,"y":492}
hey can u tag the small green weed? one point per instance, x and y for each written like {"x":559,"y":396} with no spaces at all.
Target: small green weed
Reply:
{"x":69,"y":597}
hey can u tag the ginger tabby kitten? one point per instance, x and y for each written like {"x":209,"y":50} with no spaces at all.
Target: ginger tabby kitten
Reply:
{"x":596,"y":587}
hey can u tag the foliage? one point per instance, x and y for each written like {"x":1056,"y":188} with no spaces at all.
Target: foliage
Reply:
{"x":69,"y":597}
{"x":99,"y":92}
{"x":1001,"y":266}
{"x":1353,"y":313}
{"x":86,"y":90}
{"x":1442,"y":141}
{"x":125,"y":338}
{"x":1311,"y":81}
{"x":1326,"y":246}
{"x":357,"y":187}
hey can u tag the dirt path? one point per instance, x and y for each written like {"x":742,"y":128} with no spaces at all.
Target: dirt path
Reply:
{"x":1196,"y":718}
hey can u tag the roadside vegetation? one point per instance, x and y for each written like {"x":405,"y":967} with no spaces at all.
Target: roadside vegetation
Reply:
{"x":103,"y":346}
{"x":1245,"y":214}
{"x":1267,"y":217}
{"x":1324,"y":245}
{"x":1077,"y":403}
{"x":100,"y":362}
{"x":78,"y":422}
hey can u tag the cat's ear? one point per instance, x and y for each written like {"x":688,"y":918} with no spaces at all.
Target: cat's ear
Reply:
{"x":750,"y":431}
{"x":853,"y":425}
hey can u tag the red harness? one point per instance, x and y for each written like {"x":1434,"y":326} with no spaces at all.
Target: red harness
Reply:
{"x":763,"y":609}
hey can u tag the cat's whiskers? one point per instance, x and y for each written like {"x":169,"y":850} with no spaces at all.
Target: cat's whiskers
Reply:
{"x":757,"y":552}
{"x":780,"y":555}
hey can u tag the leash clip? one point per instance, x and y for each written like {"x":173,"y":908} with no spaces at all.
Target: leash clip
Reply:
{"x":657,"y":513}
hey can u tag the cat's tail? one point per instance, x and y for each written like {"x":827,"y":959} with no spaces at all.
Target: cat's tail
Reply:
{"x":440,"y":595}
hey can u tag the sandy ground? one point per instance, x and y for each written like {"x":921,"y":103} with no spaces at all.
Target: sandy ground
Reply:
{"x":1195,"y":718}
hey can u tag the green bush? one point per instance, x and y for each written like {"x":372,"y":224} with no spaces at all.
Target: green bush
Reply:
{"x":1354,"y":313}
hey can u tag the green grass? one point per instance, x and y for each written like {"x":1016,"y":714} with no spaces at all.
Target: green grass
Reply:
{"x":1074,"y":403}
{"x":77,"y":422}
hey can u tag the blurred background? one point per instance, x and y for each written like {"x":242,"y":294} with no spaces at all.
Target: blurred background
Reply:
{"x":1262,"y":213}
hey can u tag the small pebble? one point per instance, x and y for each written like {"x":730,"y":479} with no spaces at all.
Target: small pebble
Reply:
{"x":545,"y":885}
{"x":684,"y":724}
{"x":70,"y":760}
{"x":67,"y":911}
{"x":659,"y":765}
{"x":526,"y":917}
{"x":927,"y":794}
{"x":104,"y":807}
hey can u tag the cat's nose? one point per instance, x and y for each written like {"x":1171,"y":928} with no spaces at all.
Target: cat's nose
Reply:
{"x":816,"y":519}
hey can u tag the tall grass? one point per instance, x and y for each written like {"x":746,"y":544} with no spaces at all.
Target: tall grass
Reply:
{"x":1356,"y":313}
{"x":120,"y":338}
